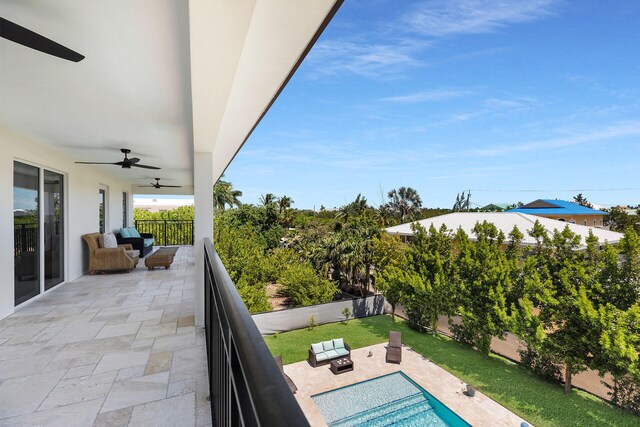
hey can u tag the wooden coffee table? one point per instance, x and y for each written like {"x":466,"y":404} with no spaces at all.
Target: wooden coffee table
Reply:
{"x":341,"y":365}
{"x":163,"y":257}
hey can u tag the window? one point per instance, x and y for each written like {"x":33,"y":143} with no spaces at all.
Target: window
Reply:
{"x":125,"y":209}
{"x":102,"y":196}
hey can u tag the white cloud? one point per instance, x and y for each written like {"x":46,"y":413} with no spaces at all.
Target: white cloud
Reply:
{"x":343,"y":155}
{"x":614,"y":131}
{"x":450,"y":17}
{"x":427,"y":96}
{"x":385,"y":51}
{"x":367,"y":59}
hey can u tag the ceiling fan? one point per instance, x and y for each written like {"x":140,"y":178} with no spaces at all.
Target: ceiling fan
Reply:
{"x":127,"y":163}
{"x":28,"y":38}
{"x":158,"y":185}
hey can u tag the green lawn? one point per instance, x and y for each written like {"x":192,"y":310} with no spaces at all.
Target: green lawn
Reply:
{"x":537,"y":401}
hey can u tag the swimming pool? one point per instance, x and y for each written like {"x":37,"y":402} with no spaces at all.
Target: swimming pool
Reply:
{"x":392,"y":399}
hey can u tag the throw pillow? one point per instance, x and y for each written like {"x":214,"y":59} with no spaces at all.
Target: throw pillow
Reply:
{"x":109,"y":240}
{"x":317,"y":348}
{"x":338,"y":343}
{"x":133,"y":232}
{"x":125,"y":233}
{"x":327,"y":345}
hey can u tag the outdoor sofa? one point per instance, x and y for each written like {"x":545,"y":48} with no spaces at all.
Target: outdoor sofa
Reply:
{"x":142,"y":242}
{"x":323,"y":352}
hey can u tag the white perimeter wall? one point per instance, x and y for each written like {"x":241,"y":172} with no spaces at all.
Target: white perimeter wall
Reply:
{"x":81,"y":206}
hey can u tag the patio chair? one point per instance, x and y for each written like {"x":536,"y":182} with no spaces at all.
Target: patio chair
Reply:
{"x":109,"y":259}
{"x":394,"y":349}
{"x":289,"y":381}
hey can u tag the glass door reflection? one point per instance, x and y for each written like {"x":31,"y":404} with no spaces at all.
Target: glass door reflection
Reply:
{"x":102,"y":195}
{"x":26,"y":182}
{"x":52,"y":206}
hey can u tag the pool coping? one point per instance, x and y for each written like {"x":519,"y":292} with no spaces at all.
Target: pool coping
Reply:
{"x":443,"y":386}
{"x":420,"y":391}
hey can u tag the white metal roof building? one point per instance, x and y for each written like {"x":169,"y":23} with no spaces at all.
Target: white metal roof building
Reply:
{"x":505,"y":222}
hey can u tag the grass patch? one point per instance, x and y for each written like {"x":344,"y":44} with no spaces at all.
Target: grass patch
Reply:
{"x":537,"y":401}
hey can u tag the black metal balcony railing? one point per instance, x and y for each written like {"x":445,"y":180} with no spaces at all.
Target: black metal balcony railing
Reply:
{"x":168,"y":232}
{"x":25,"y":238}
{"x":245,"y":384}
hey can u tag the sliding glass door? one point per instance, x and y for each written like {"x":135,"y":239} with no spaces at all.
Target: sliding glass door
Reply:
{"x":53,"y":229}
{"x":26,"y":231}
{"x":38,"y":230}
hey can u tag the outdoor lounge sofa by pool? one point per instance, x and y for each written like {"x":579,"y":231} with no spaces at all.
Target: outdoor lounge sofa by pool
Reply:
{"x":323,"y":352}
{"x":142,"y":242}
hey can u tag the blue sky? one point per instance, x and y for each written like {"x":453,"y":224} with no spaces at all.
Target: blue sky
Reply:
{"x":445,"y":96}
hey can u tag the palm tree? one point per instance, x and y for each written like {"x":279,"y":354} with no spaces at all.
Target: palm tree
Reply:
{"x":224,"y":194}
{"x":353,"y":209}
{"x":268,"y":199}
{"x":582,"y":201}
{"x":404,"y":203}
{"x":284,"y":203}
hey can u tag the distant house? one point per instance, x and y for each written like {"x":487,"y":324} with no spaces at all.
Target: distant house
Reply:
{"x":562,"y":210}
{"x":495,"y":207}
{"x":160,"y":205}
{"x":505,"y":222}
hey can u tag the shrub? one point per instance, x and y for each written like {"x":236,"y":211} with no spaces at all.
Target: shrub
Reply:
{"x":312,"y":323}
{"x":346,"y":313}
{"x":625,"y":393}
{"x":303,"y":287}
{"x":540,"y":365}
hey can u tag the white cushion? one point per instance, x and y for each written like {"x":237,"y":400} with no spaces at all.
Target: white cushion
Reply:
{"x":109,"y":240}
{"x":317,"y":348}
{"x":332,"y":354}
{"x":341,"y":351}
{"x":133,"y":253}
{"x":321,"y":356}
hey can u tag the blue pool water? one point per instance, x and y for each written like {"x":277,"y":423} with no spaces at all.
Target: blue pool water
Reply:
{"x":389,"y":400}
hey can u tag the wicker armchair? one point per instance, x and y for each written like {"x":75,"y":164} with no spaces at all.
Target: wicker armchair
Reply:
{"x":108,"y":259}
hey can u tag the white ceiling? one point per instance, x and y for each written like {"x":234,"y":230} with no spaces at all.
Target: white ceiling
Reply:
{"x":144,"y":60}
{"x":131,"y":91}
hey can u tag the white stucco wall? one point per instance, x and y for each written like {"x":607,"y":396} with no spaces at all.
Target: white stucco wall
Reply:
{"x":81,"y":204}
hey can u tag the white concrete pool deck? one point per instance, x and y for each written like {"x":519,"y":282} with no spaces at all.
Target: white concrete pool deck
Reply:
{"x":478,"y":411}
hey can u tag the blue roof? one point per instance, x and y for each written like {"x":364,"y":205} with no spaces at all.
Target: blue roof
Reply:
{"x":557,"y":207}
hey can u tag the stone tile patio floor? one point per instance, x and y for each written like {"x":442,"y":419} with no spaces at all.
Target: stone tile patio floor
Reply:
{"x":108,"y":350}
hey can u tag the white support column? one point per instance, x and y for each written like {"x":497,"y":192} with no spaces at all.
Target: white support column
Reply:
{"x":203,"y":222}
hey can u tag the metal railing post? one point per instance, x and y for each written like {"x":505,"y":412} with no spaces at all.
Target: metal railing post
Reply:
{"x":165,"y":232}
